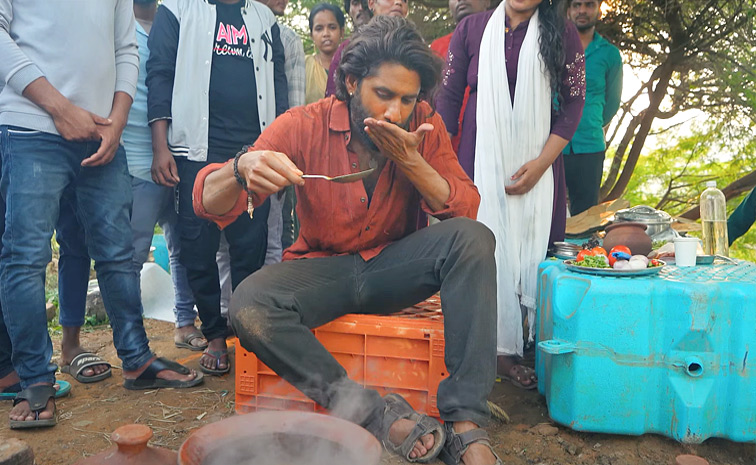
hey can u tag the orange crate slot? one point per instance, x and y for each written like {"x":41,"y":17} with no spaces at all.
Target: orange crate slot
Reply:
{"x":401,"y":353}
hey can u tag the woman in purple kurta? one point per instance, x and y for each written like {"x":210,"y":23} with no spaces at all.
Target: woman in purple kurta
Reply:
{"x":462,"y":71}
{"x":567,"y":78}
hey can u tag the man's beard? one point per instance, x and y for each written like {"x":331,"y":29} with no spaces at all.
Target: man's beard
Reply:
{"x":587,"y":26}
{"x":357,"y":115}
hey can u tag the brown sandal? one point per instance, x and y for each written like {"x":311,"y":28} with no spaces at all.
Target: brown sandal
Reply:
{"x":186,"y":341}
{"x":398,"y":409}
{"x":457,"y":444}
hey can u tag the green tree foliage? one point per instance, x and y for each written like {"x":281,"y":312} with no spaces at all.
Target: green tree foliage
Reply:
{"x":672,"y":176}
{"x":700,"y":54}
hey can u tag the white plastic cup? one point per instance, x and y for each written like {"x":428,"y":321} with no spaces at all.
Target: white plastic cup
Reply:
{"x":685,"y":251}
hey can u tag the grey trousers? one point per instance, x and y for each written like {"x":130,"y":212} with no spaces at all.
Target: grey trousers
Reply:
{"x":273,"y":310}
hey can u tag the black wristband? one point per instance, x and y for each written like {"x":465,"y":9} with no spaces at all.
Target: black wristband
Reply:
{"x":242,"y":182}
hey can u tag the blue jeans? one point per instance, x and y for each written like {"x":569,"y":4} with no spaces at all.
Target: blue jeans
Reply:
{"x":37,"y":169}
{"x":73,"y":264}
{"x":155,"y":204}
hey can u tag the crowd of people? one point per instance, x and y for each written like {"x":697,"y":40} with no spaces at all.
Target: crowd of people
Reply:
{"x":202,"y":116}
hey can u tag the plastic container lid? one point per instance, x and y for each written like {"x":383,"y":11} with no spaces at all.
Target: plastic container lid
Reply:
{"x":711,"y":184}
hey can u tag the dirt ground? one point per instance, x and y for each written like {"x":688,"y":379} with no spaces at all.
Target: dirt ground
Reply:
{"x":92,"y":411}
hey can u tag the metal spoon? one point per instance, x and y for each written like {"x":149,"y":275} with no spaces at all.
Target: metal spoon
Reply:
{"x":344,"y":178}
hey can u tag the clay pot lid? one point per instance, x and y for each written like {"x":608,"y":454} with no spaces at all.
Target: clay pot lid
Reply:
{"x":686,"y":459}
{"x":626,"y":223}
{"x":131,"y":435}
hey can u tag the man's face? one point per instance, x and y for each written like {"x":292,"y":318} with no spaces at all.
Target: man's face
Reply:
{"x":398,"y":8}
{"x":360,"y":16}
{"x":461,"y":8}
{"x":584,"y":13}
{"x":389,"y":95}
{"x":278,"y":7}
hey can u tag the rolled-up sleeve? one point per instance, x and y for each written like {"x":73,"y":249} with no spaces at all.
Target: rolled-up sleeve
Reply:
{"x":16,"y":69}
{"x":437,"y":150}
{"x":126,"y":51}
{"x":161,"y":66}
{"x":282,"y":136}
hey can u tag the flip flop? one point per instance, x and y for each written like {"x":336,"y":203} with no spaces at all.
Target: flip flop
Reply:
{"x":62,"y":389}
{"x":186,"y":343}
{"x":149,"y":380}
{"x":216,"y":354}
{"x":83,"y":361}
{"x":37,"y":396}
{"x":525,"y":373}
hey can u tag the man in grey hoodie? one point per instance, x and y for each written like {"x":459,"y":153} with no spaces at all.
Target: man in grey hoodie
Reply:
{"x":71,"y":78}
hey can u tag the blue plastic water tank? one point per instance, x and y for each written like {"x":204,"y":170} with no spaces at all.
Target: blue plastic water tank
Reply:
{"x":673,"y":354}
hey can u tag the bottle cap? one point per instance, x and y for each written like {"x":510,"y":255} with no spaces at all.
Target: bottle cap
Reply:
{"x":711,"y":184}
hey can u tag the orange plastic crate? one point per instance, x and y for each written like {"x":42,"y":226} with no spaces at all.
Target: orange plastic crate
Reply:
{"x":401,"y":353}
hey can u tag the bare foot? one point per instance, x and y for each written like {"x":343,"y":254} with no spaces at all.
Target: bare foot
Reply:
{"x":163,"y":374}
{"x":9,"y":380}
{"x":507,"y":366}
{"x":208,"y":361}
{"x":399,"y":432}
{"x":70,"y":347}
{"x":22,"y":411}
{"x":181,"y":335}
{"x":477,"y":453}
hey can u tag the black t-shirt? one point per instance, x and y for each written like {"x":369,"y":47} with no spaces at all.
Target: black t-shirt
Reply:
{"x":234,"y":120}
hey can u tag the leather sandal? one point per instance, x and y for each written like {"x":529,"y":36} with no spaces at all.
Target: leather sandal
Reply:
{"x":457,"y":444}
{"x":37,"y":396}
{"x":398,"y":409}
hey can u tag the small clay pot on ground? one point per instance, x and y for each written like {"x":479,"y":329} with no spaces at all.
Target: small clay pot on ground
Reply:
{"x":132,"y":449}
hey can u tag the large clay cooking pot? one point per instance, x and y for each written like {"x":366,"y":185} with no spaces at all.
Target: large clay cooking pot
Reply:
{"x":280,"y":438}
{"x":632,"y":235}
{"x":132,"y":449}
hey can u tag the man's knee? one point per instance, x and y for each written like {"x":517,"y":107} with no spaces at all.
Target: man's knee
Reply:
{"x":474,"y":235}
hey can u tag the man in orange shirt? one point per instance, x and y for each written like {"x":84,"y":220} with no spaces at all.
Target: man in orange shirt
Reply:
{"x":359,"y":247}
{"x":459,"y":9}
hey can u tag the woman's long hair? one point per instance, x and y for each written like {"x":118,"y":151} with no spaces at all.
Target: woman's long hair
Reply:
{"x":551,"y":44}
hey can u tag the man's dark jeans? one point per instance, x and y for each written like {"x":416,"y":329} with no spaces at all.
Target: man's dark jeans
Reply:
{"x":273,"y":310}
{"x":583,"y":174}
{"x":37,"y":169}
{"x":247,"y":239}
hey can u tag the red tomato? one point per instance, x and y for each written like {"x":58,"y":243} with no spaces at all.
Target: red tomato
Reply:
{"x":584,"y":253}
{"x":599,"y":251}
{"x":620,"y":248}
{"x":611,"y":260}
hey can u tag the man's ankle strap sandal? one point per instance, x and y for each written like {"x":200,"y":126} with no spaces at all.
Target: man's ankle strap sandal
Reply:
{"x":398,"y":409}
{"x":457,"y":444}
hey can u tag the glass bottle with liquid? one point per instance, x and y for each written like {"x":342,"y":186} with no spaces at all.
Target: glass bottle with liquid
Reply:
{"x":714,"y":221}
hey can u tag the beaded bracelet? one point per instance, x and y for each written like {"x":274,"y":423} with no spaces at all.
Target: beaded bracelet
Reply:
{"x":243,"y":183}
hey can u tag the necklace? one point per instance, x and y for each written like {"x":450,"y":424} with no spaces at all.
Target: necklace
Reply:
{"x":318,"y":57}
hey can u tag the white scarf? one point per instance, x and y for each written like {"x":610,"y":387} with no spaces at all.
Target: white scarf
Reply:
{"x":507,"y":137}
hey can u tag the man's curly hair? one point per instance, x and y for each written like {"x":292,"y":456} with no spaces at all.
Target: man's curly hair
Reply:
{"x":387,"y":39}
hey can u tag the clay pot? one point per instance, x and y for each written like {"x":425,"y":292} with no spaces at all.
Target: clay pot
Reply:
{"x":632,"y":235}
{"x":132,"y":449}
{"x":279,"y":438}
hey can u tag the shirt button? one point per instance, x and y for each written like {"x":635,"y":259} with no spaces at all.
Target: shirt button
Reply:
{"x":362,"y":199}
{"x":263,"y":123}
{"x":260,"y":97}
{"x":207,"y":62}
{"x":257,"y":69}
{"x":367,"y":228}
{"x":253,"y":40}
{"x":354,"y":165}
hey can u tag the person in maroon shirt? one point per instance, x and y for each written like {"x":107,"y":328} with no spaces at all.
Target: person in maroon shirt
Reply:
{"x":359,"y":250}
